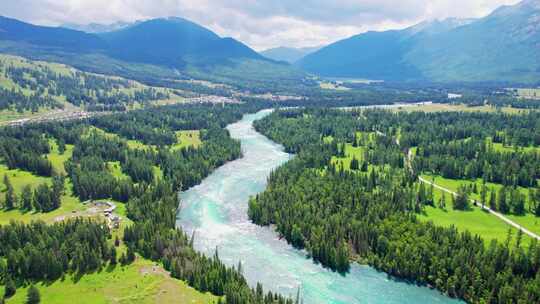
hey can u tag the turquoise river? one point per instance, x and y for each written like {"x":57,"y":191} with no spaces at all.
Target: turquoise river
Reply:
{"x":216,"y":210}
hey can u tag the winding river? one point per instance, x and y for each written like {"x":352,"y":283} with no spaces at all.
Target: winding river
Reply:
{"x":217,"y":211}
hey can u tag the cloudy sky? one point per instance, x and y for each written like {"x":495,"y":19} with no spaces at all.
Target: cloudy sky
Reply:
{"x":261,"y":24}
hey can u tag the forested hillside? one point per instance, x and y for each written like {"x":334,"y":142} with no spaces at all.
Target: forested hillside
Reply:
{"x":30,"y":87}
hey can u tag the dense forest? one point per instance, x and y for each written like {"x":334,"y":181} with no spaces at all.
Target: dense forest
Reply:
{"x":151,"y":200}
{"x":367,"y":211}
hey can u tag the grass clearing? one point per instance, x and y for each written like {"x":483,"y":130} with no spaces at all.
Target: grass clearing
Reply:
{"x":116,"y":170}
{"x":189,"y":138}
{"x":476,"y":221}
{"x":529,"y":221}
{"x":365,"y":139}
{"x":500,"y":147}
{"x":350,"y":153}
{"x":20,"y":179}
{"x":58,"y":159}
{"x":141,"y":282}
{"x":70,"y":205}
{"x":443,"y":107}
{"x":529,"y":93}
{"x":337,"y":86}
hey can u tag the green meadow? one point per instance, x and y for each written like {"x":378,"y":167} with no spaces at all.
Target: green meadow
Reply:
{"x":141,"y":282}
{"x":476,"y":220}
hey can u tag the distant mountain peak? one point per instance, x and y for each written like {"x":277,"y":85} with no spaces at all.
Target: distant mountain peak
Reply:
{"x":95,"y":28}
{"x":525,"y":6}
{"x":436,"y":26}
{"x":530,"y":3}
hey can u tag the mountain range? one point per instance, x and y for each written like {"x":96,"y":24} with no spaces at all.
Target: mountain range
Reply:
{"x":503,"y":46}
{"x":288,"y":54}
{"x":157,"y":48}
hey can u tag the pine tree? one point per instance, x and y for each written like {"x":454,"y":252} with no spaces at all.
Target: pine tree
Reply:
{"x":27,"y":198}
{"x":518,"y":203}
{"x":502,"y":203}
{"x":130,"y":257}
{"x":461,"y":201}
{"x":430,"y":194}
{"x":483,"y":194}
{"x":354,"y":164}
{"x":442,"y":202}
{"x":364,"y":167}
{"x":10,"y":198}
{"x":33,"y":296}
{"x":10,"y":288}
{"x":493,"y":200}
{"x":113,"y":255}
{"x":355,"y":141}
{"x":123,"y":259}
{"x":534,"y":198}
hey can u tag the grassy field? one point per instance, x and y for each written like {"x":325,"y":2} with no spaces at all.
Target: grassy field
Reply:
{"x":116,"y":170}
{"x":528,"y":221}
{"x":353,"y":152}
{"x":326,"y":85}
{"x":350,"y":153}
{"x":499,"y":147}
{"x":20,"y":179}
{"x":189,"y":138}
{"x":71,"y":205}
{"x":58,"y":159}
{"x":140,"y":282}
{"x":437,"y":107}
{"x":529,"y":93}
{"x":475,"y":221}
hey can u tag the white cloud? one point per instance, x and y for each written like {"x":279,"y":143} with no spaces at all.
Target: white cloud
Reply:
{"x":258,"y":23}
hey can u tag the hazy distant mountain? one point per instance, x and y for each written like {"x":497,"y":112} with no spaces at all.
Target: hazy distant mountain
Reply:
{"x":504,"y":46}
{"x":98,"y":27}
{"x":13,"y":32}
{"x":166,"y":47}
{"x":286,"y":54}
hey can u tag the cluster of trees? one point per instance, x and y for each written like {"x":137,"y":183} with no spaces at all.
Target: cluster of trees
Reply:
{"x":44,"y":198}
{"x":157,"y":126}
{"x":17,"y":100}
{"x":476,"y":158}
{"x":40,"y":252}
{"x":88,"y":171}
{"x":510,"y":130}
{"x":339,"y":215}
{"x":24,"y":149}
